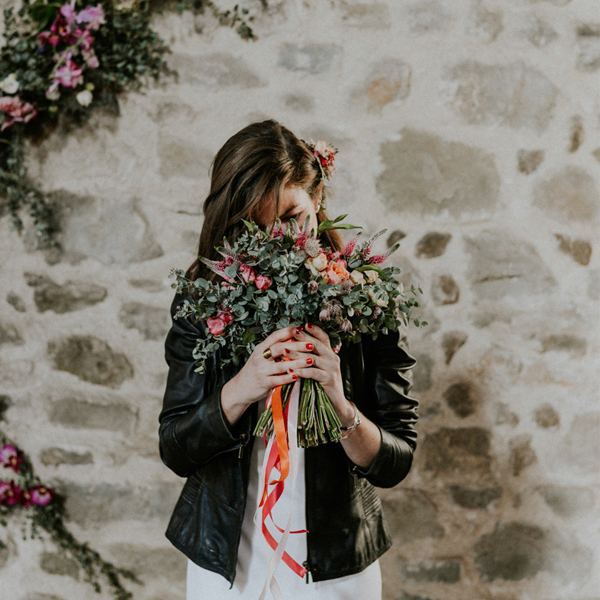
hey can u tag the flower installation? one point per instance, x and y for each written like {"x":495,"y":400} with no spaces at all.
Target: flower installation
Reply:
{"x":66,"y":59}
{"x":22,"y":493}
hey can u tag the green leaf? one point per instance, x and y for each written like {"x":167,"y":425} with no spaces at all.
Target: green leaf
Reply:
{"x":372,"y":268}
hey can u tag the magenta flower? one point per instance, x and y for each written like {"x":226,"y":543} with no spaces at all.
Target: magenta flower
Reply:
{"x":248,"y":273}
{"x":94,"y":15}
{"x":10,"y":457}
{"x":10,"y":493}
{"x":15,"y":110}
{"x":68,"y":74}
{"x":68,"y":12}
{"x":90,"y":59}
{"x":349,"y":247}
{"x":215,"y":326}
{"x":25,"y":499}
{"x":41,"y":495}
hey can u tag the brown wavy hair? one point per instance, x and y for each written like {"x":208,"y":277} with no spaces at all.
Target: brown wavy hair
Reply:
{"x":254,"y":166}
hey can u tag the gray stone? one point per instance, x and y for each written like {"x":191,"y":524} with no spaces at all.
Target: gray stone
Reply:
{"x":148,"y":285}
{"x":90,"y":359}
{"x":444,"y":290}
{"x":16,"y":302}
{"x":55,"y":563}
{"x":546,"y":416}
{"x":581,"y":446}
{"x":452,"y":342}
{"x":214,"y":71}
{"x":483,"y":24}
{"x":596,"y":154}
{"x":463,"y":451}
{"x":426,"y":16}
{"x":152,"y":322}
{"x":395,"y":237}
{"x":475,"y":498}
{"x":168,"y":563}
{"x":432,"y":245}
{"x":538,"y":31}
{"x":181,"y":158}
{"x":4,"y":555}
{"x":588,"y":45}
{"x":505,"y":416}
{"x":73,"y":295}
{"x":79,"y":414}
{"x":5,"y":404}
{"x":387,"y":81}
{"x":113,"y":231}
{"x":513,"y":94}
{"x":38,"y":596}
{"x":444,"y":570}
{"x":427,"y":175}
{"x":59,"y":456}
{"x":9,"y":334}
{"x":501,"y":266}
{"x":522,"y":454}
{"x":529,"y":160}
{"x":406,"y":596}
{"x":299,"y":102}
{"x":430,"y":410}
{"x":422,"y":380}
{"x":579,"y":250}
{"x":172,"y":112}
{"x":570,"y":195}
{"x":313,"y":58}
{"x":371,"y":15}
{"x":412,"y":516}
{"x":568,"y":502}
{"x":577,"y":134}
{"x":512,"y":551}
{"x":565,"y":342}
{"x":593,"y":288}
{"x":96,"y":504}
{"x":16,"y":373}
{"x":461,"y":398}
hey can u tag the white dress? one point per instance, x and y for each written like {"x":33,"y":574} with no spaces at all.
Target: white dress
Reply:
{"x":252,"y":562}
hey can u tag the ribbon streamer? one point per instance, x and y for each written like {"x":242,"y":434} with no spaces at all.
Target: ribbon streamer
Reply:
{"x":281,"y":453}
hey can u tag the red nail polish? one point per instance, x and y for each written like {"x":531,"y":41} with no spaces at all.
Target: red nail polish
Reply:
{"x":299,"y":329}
{"x":309,"y":326}
{"x":309,"y":361}
{"x":294,"y":376}
{"x":287,"y":350}
{"x":309,"y":346}
{"x":290,"y":370}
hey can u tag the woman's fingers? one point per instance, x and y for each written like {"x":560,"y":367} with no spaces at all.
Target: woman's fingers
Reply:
{"x":317,"y":332}
{"x":277,"y":336}
{"x":293,"y":349}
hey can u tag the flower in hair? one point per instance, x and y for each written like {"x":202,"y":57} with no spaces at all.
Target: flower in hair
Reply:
{"x":325,"y":155}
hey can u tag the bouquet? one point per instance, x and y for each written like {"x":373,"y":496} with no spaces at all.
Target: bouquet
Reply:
{"x":283,"y":276}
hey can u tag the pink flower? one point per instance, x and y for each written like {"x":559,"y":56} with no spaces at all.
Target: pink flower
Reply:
{"x":336,"y":272}
{"x":248,"y":273}
{"x":263,"y":282}
{"x":68,"y":74}
{"x":319,"y":262}
{"x":25,"y":499}
{"x":15,"y":110}
{"x":86,"y":39}
{"x":68,"y":12}
{"x":226,"y":317}
{"x":10,"y":493}
{"x":91,"y":60}
{"x":94,"y":15}
{"x":10,"y":457}
{"x":215,"y":326}
{"x":41,"y":495}
{"x":349,"y":247}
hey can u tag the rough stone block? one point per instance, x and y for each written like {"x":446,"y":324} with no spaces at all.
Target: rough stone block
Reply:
{"x":363,"y":15}
{"x":422,"y":380}
{"x":529,"y":160}
{"x":501,"y":266}
{"x":90,"y":359}
{"x":514,"y":94}
{"x":581,"y":446}
{"x":73,"y":295}
{"x":588,"y":45}
{"x":182,"y":158}
{"x":462,"y":398}
{"x":444,"y":290}
{"x":546,"y":416}
{"x":428,"y":175}
{"x":538,"y":31}
{"x":9,"y":334}
{"x":387,"y":80}
{"x":569,"y":195}
{"x":168,"y":563}
{"x":148,"y":285}
{"x":432,"y":245}
{"x":579,"y":250}
{"x":464,"y":451}
{"x":452,"y":342}
{"x":565,"y":342}
{"x":474,"y":498}
{"x":522,"y":454}
{"x":79,"y":414}
{"x":313,"y":59}
{"x":16,"y":302}
{"x":568,"y":502}
{"x":483,"y":24}
{"x":109,"y":230}
{"x":56,"y":563}
{"x":60,"y":456}
{"x":153,"y":323}
{"x":444,"y":570}
{"x":412,"y":516}
{"x":5,"y":404}
{"x":426,"y":16}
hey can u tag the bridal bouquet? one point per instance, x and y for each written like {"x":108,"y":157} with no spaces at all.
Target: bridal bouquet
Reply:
{"x":284,"y":276}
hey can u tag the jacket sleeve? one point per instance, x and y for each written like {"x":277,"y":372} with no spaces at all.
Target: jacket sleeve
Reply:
{"x":388,"y":380}
{"x":192,"y":428}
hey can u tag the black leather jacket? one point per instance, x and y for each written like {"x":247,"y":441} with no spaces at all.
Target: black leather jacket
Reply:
{"x":347,"y":529}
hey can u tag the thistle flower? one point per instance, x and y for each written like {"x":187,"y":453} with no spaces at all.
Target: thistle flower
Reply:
{"x":313,"y":286}
{"x":345,"y":325}
{"x":346,"y":286}
{"x":335,"y":307}
{"x":312,"y":247}
{"x":325,"y":315}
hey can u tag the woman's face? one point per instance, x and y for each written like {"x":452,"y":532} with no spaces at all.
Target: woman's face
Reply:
{"x":294,"y":203}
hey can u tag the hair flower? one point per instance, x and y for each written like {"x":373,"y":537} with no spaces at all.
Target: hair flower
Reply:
{"x":325,"y":155}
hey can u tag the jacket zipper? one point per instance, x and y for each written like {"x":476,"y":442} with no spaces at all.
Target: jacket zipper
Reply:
{"x":244,"y":437}
{"x":307,"y":567}
{"x":306,"y":564}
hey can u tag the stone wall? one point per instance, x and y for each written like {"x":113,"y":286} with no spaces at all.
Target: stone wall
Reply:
{"x":470,"y":130}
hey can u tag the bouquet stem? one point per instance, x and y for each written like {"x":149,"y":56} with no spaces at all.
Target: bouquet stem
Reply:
{"x":318,"y":422}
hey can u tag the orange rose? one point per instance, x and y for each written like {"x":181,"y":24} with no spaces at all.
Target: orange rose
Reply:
{"x":336,"y":272}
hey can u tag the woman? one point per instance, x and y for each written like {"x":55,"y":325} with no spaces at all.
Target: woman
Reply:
{"x":206,"y":423}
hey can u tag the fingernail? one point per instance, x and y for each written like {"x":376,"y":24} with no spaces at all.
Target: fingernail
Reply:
{"x":309,"y":346}
{"x":287,"y":350}
{"x":309,"y":361}
{"x":294,"y":376}
{"x":308,"y":326}
{"x":299,"y":329}
{"x":290,"y":370}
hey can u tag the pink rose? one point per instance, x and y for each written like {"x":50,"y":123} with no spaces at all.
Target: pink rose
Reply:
{"x":263,"y":282}
{"x":226,"y":317}
{"x":319,"y":262}
{"x":336,"y":272}
{"x":248,"y":273}
{"x":215,"y":326}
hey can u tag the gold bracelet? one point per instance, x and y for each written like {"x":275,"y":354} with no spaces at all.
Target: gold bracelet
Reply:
{"x":354,"y":425}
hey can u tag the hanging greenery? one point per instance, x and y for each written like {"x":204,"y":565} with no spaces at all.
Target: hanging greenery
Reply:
{"x":65,"y":60}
